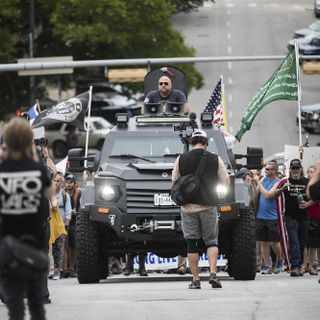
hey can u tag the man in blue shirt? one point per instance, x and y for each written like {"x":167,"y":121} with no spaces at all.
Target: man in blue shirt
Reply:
{"x":267,"y":219}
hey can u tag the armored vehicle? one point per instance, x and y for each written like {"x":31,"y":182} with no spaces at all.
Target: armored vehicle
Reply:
{"x":126,"y":206}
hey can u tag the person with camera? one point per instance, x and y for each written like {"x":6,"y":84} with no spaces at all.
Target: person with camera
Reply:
{"x":166,"y":93}
{"x":24,"y":189}
{"x":199,"y":217}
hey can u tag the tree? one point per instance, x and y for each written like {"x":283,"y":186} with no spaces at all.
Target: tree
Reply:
{"x":103,"y":29}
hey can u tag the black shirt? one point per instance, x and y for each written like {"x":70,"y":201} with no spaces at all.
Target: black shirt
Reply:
{"x":23,"y":208}
{"x":291,"y":199}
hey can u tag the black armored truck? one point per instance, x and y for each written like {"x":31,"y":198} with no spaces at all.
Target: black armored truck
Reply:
{"x":126,"y":205}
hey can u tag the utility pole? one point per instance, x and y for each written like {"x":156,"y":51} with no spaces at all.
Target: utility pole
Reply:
{"x":32,"y":79}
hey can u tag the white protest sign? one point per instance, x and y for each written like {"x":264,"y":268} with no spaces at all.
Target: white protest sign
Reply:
{"x":153,"y":262}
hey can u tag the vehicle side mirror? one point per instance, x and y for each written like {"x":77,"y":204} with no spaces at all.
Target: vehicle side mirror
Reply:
{"x":254,"y":158}
{"x":76,"y":160}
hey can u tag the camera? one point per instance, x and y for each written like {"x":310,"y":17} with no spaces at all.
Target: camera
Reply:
{"x":41,"y":142}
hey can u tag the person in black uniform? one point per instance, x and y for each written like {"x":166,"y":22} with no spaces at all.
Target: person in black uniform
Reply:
{"x":24,"y":189}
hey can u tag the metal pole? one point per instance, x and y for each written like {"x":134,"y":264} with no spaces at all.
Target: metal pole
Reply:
{"x":88,"y":128}
{"x":31,"y":50}
{"x":299,"y":92}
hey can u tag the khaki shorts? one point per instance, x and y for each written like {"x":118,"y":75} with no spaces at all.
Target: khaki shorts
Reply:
{"x":202,"y":224}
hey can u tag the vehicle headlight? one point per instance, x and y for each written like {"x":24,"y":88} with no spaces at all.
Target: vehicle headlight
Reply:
{"x":108,"y":193}
{"x":221,"y":190}
{"x":315,"y":116}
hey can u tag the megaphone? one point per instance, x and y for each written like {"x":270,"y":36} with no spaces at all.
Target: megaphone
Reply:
{"x":152,"y":109}
{"x":175,"y":108}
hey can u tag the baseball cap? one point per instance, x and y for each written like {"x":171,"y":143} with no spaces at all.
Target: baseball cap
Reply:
{"x":199,"y":133}
{"x":70,"y":177}
{"x":295,"y":163}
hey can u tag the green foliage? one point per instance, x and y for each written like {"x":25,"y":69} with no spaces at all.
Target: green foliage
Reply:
{"x":86,"y":29}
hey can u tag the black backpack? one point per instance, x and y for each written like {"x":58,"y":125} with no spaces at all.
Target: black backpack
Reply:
{"x":186,"y":188}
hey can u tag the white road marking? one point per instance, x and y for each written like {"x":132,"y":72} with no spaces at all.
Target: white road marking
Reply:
{"x":230,"y":97}
{"x":274,"y":5}
{"x":228,"y":36}
{"x":230,"y":129}
{"x":230,"y":65}
{"x":230,"y":5}
{"x":228,"y":23}
{"x":297,"y":7}
{"x":230,"y":81}
{"x":252,"y":5}
{"x":229,"y":49}
{"x":230,"y":114}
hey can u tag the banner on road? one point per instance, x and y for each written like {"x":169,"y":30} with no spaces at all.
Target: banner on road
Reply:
{"x":153,"y":262}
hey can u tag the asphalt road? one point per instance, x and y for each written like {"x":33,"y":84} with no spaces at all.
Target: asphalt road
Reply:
{"x":246,"y":27}
{"x":166,"y":297}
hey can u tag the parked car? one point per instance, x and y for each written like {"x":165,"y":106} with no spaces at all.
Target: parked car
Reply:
{"x":312,"y":48}
{"x":61,"y":136}
{"x":109,"y":99}
{"x":108,"y":104}
{"x":310,"y":117}
{"x":317,"y":8}
{"x":304,"y":40}
{"x":313,"y":28}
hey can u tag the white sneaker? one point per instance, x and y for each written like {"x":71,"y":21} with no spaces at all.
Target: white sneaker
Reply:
{"x":56,"y":276}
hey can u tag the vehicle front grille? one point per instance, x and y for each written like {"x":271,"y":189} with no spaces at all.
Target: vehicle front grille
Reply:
{"x":142,"y":201}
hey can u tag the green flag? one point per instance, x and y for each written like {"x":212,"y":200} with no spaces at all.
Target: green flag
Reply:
{"x":282,"y":85}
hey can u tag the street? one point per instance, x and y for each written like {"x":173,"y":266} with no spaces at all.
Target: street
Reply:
{"x":164,"y":296}
{"x":248,"y":28}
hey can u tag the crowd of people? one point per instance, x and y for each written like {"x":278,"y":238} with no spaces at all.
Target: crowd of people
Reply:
{"x":287,"y":219}
{"x":38,"y":200}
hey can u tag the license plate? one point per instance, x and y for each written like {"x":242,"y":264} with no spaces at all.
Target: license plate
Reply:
{"x":163,"y":199}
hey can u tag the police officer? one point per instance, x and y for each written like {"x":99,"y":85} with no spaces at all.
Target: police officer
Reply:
{"x":199,"y":218}
{"x":24,"y":189}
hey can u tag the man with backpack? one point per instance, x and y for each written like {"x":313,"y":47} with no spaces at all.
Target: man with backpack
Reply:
{"x":199,"y":216}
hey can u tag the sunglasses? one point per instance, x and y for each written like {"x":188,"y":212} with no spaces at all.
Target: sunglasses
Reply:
{"x":163,"y":83}
{"x":267,"y":169}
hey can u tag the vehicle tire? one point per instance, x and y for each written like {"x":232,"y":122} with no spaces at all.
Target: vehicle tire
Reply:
{"x":243,"y":260}
{"x":59,"y":149}
{"x":230,"y":267}
{"x":87,"y":246}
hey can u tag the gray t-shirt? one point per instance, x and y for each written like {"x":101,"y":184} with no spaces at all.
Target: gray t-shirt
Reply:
{"x":174,"y":96}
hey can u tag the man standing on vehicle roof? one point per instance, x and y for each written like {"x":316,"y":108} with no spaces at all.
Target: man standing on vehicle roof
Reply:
{"x":199,"y":218}
{"x":166,"y":92}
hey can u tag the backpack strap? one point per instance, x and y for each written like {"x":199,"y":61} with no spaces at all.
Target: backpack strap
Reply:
{"x":202,"y":164}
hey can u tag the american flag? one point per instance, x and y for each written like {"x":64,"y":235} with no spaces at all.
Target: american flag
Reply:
{"x":215,"y":104}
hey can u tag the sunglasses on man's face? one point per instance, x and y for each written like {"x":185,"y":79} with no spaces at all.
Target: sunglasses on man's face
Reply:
{"x":163,"y":83}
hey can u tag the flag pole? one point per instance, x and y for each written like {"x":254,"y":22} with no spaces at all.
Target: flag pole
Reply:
{"x":223,"y":101}
{"x":87,"y":128}
{"x":299,"y":93}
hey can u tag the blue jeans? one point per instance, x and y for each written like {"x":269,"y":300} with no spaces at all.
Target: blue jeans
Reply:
{"x":298,"y":236}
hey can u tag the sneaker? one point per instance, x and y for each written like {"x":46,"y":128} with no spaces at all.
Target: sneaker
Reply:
{"x":143,"y":272}
{"x":266,"y":270}
{"x":294,"y":272}
{"x":56,"y":276}
{"x":181,"y":270}
{"x":127,"y":271}
{"x":195,"y":284}
{"x":46,"y":300}
{"x":213,"y":280}
{"x":280,"y":265}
